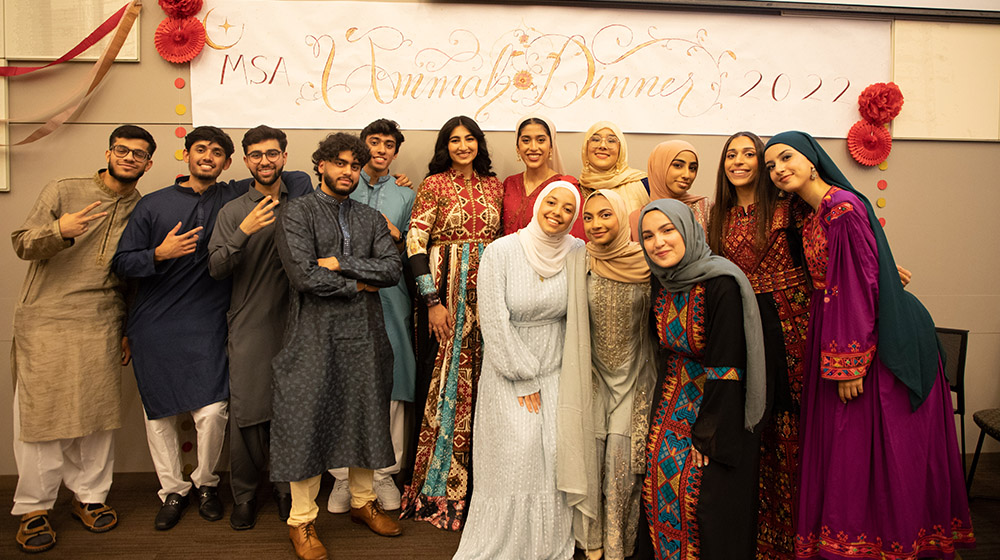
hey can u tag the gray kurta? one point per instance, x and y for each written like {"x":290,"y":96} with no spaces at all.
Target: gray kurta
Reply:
{"x":516,"y":510}
{"x":66,"y":356}
{"x":258,"y":307}
{"x":333,"y":377}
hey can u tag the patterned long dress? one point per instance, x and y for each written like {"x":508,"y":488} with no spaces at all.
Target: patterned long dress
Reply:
{"x":879,"y":480}
{"x":780,"y":282}
{"x":693,"y":512}
{"x":621,"y":356}
{"x":454,"y":218}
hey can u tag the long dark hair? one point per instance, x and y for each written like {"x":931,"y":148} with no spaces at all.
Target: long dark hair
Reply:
{"x":765,"y":198}
{"x":441,"y":161}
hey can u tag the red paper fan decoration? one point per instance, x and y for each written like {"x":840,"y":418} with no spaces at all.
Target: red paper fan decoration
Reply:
{"x":869,"y":144}
{"x":880,"y":102}
{"x":181,"y":8}
{"x":179,"y":40}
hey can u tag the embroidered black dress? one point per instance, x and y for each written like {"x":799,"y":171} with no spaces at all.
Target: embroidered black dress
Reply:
{"x":701,"y":513}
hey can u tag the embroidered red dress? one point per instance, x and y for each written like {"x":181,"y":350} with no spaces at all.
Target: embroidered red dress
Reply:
{"x":879,"y":480}
{"x":518,"y":206}
{"x":454,"y":218}
{"x":780,"y":282}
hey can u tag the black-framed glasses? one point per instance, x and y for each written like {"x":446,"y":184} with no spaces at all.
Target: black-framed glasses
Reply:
{"x":123,"y":151}
{"x":272,"y":155}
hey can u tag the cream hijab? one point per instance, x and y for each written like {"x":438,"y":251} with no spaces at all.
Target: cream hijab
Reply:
{"x":547,"y":253}
{"x":618,"y":175}
{"x":621,"y":259}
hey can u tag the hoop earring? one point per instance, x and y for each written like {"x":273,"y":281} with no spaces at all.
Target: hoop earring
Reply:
{"x":812,"y":175}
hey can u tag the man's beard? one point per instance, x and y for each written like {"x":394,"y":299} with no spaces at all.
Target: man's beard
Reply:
{"x":274,"y":177}
{"x":126,"y":178}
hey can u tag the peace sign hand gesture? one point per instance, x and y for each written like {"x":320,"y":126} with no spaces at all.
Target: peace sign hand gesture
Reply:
{"x":260,"y":217}
{"x":72,"y":225}
{"x":174,"y":245}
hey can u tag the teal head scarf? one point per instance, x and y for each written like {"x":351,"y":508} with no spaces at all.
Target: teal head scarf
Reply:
{"x":907,"y":342}
{"x":698,"y":265}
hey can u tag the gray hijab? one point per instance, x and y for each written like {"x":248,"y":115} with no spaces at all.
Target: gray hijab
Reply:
{"x":699,"y":265}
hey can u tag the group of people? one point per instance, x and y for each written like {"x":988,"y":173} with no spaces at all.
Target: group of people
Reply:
{"x":608,"y":363}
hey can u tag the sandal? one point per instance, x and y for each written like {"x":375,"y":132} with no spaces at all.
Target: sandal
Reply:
{"x":96,"y":518}
{"x":35,"y":534}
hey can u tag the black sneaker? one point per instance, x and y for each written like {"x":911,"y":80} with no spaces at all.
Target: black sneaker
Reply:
{"x":170,"y":512}
{"x":209,"y":506}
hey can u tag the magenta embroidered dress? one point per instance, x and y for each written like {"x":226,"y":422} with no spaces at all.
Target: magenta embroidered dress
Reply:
{"x":878,"y":480}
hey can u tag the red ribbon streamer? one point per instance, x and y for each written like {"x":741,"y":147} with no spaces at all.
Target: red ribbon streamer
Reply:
{"x":92,"y":39}
{"x":95,"y":76}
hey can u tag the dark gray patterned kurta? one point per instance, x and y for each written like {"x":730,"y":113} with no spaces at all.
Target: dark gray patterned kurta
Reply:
{"x":333,"y":378}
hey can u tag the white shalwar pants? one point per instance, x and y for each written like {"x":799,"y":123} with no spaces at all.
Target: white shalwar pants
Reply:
{"x":165,"y":448}
{"x":84,"y":464}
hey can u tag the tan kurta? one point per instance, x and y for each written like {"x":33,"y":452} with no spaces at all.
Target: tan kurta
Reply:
{"x":68,"y":319}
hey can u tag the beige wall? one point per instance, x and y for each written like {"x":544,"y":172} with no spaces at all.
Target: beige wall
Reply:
{"x":942,"y":199}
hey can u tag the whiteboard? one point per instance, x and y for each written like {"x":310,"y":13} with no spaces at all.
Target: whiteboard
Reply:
{"x":950,"y":79}
{"x":980,"y":5}
{"x":46,"y":30}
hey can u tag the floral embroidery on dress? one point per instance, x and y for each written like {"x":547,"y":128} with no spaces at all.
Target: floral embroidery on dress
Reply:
{"x":939,"y":539}
{"x":838,"y":210}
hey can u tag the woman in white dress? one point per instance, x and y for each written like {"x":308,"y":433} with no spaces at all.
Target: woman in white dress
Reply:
{"x":516,"y":511}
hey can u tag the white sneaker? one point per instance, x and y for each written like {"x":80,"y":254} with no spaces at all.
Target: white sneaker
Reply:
{"x":340,"y":497}
{"x":388,"y":494}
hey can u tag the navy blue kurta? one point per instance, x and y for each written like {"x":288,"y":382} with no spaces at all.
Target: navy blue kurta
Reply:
{"x":177,"y":323}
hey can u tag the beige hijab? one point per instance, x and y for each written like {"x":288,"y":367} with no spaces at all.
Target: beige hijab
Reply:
{"x":659,"y":163}
{"x":621,"y":259}
{"x":618,"y":175}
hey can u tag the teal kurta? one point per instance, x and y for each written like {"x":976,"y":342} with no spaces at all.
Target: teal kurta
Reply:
{"x":395,"y":203}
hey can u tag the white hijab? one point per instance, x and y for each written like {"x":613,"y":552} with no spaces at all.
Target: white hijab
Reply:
{"x":547,"y":253}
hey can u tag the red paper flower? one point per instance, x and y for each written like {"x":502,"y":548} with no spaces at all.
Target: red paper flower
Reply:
{"x":879,"y":103}
{"x":181,"y":8}
{"x":179,"y":40}
{"x":869,"y":144}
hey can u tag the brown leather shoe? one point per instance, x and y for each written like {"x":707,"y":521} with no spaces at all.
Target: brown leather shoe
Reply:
{"x":306,"y":543}
{"x":374,"y":516}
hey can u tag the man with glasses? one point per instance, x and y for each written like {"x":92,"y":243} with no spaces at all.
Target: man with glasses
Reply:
{"x":68,"y":346}
{"x":242,"y":247}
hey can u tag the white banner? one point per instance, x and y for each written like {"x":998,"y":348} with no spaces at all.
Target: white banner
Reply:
{"x":340,"y":65}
